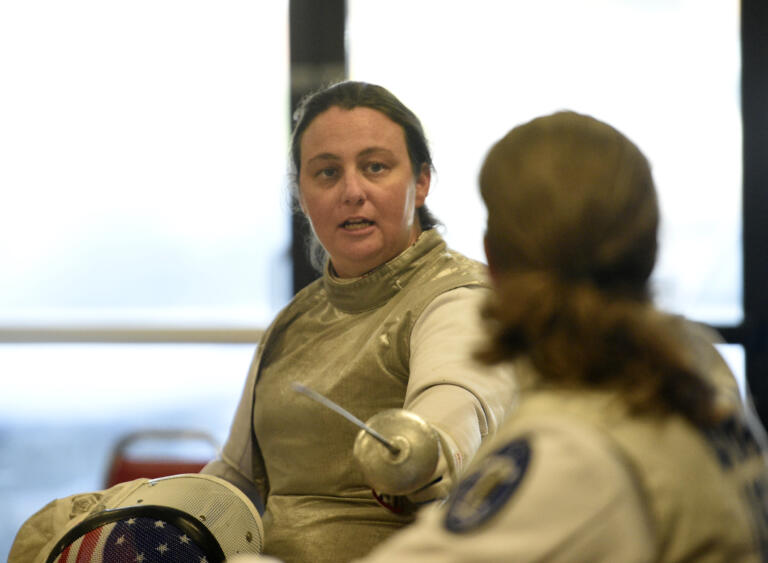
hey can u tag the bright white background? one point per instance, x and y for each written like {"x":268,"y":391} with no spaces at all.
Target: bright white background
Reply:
{"x":142,"y":162}
{"x":142,"y":169}
{"x":664,"y":72}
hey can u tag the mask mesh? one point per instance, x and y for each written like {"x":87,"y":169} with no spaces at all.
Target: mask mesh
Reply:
{"x":157,"y":518}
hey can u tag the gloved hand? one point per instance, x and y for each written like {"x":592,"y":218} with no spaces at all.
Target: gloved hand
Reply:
{"x":439,"y":486}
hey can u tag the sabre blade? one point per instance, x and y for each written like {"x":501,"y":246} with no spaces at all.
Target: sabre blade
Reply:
{"x":346,"y":414}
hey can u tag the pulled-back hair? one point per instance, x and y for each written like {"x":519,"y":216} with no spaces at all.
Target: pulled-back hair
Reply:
{"x":572,"y":236}
{"x":349,"y":95}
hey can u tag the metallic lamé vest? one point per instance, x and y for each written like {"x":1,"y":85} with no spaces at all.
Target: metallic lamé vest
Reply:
{"x":350,"y":341}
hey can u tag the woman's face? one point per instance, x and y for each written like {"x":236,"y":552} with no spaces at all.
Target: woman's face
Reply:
{"x":357,"y":187}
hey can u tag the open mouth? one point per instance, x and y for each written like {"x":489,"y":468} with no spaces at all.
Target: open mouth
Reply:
{"x":356,"y":224}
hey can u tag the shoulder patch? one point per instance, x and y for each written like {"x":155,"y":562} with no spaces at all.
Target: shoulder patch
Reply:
{"x":482,"y":494}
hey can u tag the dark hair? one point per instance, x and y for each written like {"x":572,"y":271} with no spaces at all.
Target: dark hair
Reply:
{"x":572,"y":234}
{"x":349,"y":95}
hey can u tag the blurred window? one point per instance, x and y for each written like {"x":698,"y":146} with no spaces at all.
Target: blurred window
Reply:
{"x":142,"y":167}
{"x":143,"y":162}
{"x":664,"y":73}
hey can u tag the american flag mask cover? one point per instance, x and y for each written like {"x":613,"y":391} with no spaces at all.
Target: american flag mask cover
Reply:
{"x":146,"y":534}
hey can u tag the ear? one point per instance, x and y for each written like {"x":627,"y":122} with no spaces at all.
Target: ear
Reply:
{"x":423,"y":181}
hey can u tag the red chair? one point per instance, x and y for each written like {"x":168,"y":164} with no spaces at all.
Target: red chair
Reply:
{"x":180,"y":451}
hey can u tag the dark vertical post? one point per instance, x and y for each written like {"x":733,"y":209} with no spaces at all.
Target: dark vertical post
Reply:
{"x":754,"y":96}
{"x":318,"y":58}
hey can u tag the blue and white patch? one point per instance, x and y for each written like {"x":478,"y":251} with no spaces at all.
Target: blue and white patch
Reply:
{"x":483,"y":493}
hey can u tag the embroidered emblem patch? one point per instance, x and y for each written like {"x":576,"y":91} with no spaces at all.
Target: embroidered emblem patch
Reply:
{"x":486,"y":490}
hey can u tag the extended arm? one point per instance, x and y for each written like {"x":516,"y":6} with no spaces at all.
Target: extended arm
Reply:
{"x":462,"y":399}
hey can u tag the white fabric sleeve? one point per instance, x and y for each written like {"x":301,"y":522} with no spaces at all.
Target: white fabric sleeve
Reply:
{"x":576,"y":501}
{"x":457,"y":395}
